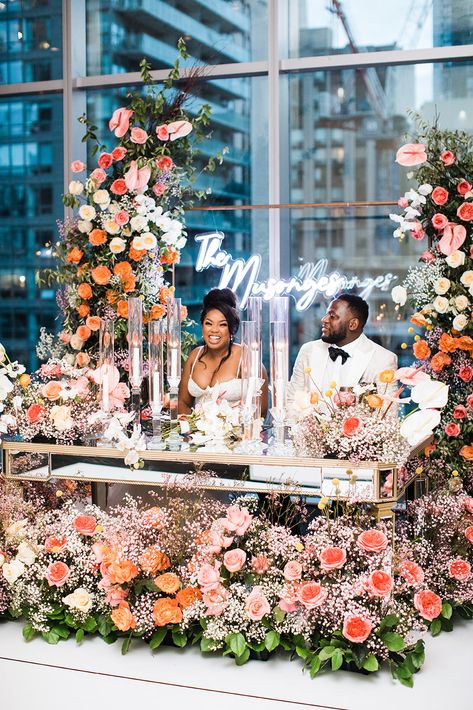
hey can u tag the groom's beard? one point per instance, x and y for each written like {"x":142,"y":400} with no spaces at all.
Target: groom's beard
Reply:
{"x":335,"y":337}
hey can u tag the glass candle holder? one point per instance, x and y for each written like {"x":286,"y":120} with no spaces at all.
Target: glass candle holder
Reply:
{"x":156,"y":334}
{"x":135,"y":358}
{"x":254,"y":310}
{"x":106,"y":361}
{"x":173,"y":364}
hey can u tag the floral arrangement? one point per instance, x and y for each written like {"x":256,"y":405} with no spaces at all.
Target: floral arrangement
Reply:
{"x":215,"y":422}
{"x":440,"y":288}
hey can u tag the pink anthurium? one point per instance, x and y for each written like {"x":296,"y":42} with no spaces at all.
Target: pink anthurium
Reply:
{"x":411,"y":154}
{"x":120,"y":121}
{"x":179,"y":129}
{"x":453,"y":237}
{"x":135,"y":177}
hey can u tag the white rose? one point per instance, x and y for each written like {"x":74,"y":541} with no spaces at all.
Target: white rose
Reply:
{"x":441,"y":286}
{"x":61,"y":417}
{"x":466,"y":278}
{"x":114,"y":207}
{"x":117,"y":244}
{"x":149,"y":240}
{"x":76,"y":187}
{"x":102,"y":198}
{"x":87,"y":212}
{"x":80,"y":599}
{"x":455,"y":259}
{"x":138,"y":223}
{"x":138,"y":243}
{"x":12,"y":570}
{"x":84,"y":226}
{"x":441,"y":304}
{"x":25,"y":553}
{"x":399,"y":295}
{"x":111,"y":226}
{"x":76,"y":343}
{"x":16,"y":529}
{"x":461,"y":302}
{"x":425,"y":189}
{"x":460,"y":322}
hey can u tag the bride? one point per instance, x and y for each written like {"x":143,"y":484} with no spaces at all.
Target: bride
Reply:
{"x":218,"y":361}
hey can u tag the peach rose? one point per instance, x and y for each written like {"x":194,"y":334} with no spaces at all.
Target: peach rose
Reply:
{"x":428,"y":604}
{"x":257,"y":605}
{"x":460,"y":570}
{"x":208,"y":577}
{"x":469,"y":533}
{"x":153,"y":560}
{"x":115,"y":595}
{"x":93,"y":322}
{"x":98,"y":175}
{"x":97,"y":237}
{"x":352,"y":426}
{"x":35,"y":413}
{"x":122,"y":617}
{"x":136,"y":254}
{"x":234,"y":560}
{"x":122,"y":308}
{"x":332,"y":558}
{"x":215,"y":600}
{"x":421,"y":350}
{"x":374,"y":401}
{"x":57,"y":574}
{"x":237,"y":520}
{"x":83,"y":332}
{"x":85,"y":291}
{"x":260,"y":564}
{"x":101,"y":275}
{"x":123,"y":269}
{"x":169,"y":256}
{"x":51,"y":390}
{"x":372,"y":541}
{"x":439,"y":361}
{"x":119,"y":152}
{"x":412,"y":573}
{"x":55,"y":543}
{"x":166,"y":611}
{"x":165,"y":294}
{"x":188,"y":596}
{"x":122,"y":571}
{"x":85,"y":524}
{"x":118,"y":187}
{"x":212,"y":540}
{"x":380,"y":584}
{"x":311,"y":594}
{"x":292,"y":570}
{"x":168,"y":582}
{"x":356,"y":628}
{"x":129,"y":283}
{"x":439,"y":195}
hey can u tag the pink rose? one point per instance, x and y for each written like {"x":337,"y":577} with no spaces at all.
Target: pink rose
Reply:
{"x":468,"y":504}
{"x":463,"y":187}
{"x":138,"y":136}
{"x":57,"y":574}
{"x":460,"y":570}
{"x":332,"y":558}
{"x":215,"y":600}
{"x":465,"y":211}
{"x":428,"y":604}
{"x":352,"y":426}
{"x":105,"y":160}
{"x":287,"y":606}
{"x":412,"y":573}
{"x":452,"y":429}
{"x":119,"y":152}
{"x":356,"y":628}
{"x":122,"y":218}
{"x":372,"y":541}
{"x":85,"y":524}
{"x":427,"y":257}
{"x":257,"y":605}
{"x":439,"y":195}
{"x":417,"y":231}
{"x":162,"y":132}
{"x":460,"y":412}
{"x":238,"y":520}
{"x":98,"y":175}
{"x":469,"y":533}
{"x":311,"y":594}
{"x":469,"y":401}
{"x":380,"y":584}
{"x":77,"y":166}
{"x":403,"y":202}
{"x":411,"y":154}
{"x":260,"y":564}
{"x":234,"y":560}
{"x":465,"y":373}
{"x":52,"y":370}
{"x":208,"y":577}
{"x":159,"y":189}
{"x":344,"y":399}
{"x":292,"y":570}
{"x":447,"y":157}
{"x":439,"y":221}
{"x":120,"y":121}
{"x":115,"y":595}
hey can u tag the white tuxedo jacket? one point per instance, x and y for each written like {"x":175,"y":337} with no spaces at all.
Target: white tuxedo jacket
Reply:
{"x":364,"y":366}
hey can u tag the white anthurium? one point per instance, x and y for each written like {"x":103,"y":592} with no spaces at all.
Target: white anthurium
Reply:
{"x":411,"y":376}
{"x":7,"y":422}
{"x":431,"y":394}
{"x":6,"y":386}
{"x":418,"y":426}
{"x":399,"y":295}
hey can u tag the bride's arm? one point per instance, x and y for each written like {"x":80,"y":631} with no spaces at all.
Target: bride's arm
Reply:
{"x":185,"y":401}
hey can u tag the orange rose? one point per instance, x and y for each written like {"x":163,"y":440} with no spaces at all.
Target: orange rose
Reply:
{"x":154,"y":560}
{"x":136,"y":254}
{"x":166,"y":611}
{"x":386,"y":376}
{"x":82,"y":359}
{"x":75,"y":255}
{"x":447,"y":344}
{"x":122,"y":308}
{"x":157,"y":312}
{"x":168,"y":582}
{"x":428,"y":449}
{"x":122,"y":269}
{"x":129,"y":283}
{"x":467,"y":452}
{"x":439,"y":361}
{"x":421,"y":350}
{"x":183,"y":312}
{"x":374,"y":401}
{"x":188,"y":596}
{"x":465,"y":342}
{"x":93,"y":322}
{"x":85,"y":291}
{"x":419,"y":320}
{"x":83,"y":310}
{"x":122,"y":571}
{"x":83,"y":332}
{"x":51,"y":390}
{"x":101,"y":275}
{"x":170,"y":256}
{"x":109,"y":555}
{"x":164,"y":294}
{"x":112,"y":297}
{"x":97,"y":237}
{"x":123,"y":618}
{"x":155,"y":517}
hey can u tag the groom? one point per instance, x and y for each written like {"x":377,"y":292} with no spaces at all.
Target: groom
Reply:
{"x":344,"y":354}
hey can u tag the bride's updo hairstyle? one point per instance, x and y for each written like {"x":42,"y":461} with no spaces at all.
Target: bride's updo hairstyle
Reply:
{"x":223,"y":300}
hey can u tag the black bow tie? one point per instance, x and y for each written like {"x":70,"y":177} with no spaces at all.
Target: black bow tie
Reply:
{"x":338,"y":352}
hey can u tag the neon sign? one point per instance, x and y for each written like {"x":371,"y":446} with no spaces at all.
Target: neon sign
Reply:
{"x":312,"y":279}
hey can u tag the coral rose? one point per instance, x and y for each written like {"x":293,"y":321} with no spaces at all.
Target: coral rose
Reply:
{"x":164,"y":162}
{"x":332,"y":558}
{"x":465,"y":373}
{"x":311,"y":594}
{"x":138,"y":136}
{"x":168,"y":582}
{"x":122,"y":571}
{"x":188,"y":596}
{"x":101,"y":275}
{"x":439,"y":221}
{"x":85,"y":524}
{"x":421,"y":350}
{"x":52,"y":390}
{"x":260,"y":564}
{"x":439,"y":195}
{"x":118,"y":187}
{"x":452,"y":429}
{"x":35,"y":413}
{"x":257,"y":605}
{"x":55,"y":543}
{"x":447,"y":157}
{"x":466,"y":452}
{"x":460,"y":570}
{"x":372,"y":541}
{"x":122,"y":617}
{"x":356,"y":628}
{"x":468,"y":504}
{"x":166,"y":611}
{"x":119,"y":152}
{"x":428,"y":604}
{"x":412,"y":572}
{"x":83,"y":332}
{"x":97,"y":237}
{"x":122,"y":218}
{"x":85,"y":291}
{"x":57,"y":574}
{"x":352,"y":426}
{"x":122,"y":308}
{"x":292,"y":571}
{"x":75,"y":255}
{"x":380,"y":584}
{"x":465,"y":211}
{"x":463,"y":187}
{"x":153,"y":560}
{"x":469,"y":533}
{"x":157,"y":311}
{"x":93,"y":322}
{"x":234,"y":560}
{"x":105,"y":160}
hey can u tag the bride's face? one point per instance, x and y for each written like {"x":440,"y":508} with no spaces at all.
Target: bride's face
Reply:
{"x":215,"y":330}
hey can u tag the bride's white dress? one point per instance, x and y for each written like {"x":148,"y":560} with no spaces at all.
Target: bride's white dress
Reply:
{"x":229,"y":389}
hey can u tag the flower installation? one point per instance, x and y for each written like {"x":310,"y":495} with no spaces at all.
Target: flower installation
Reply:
{"x":440,"y":287}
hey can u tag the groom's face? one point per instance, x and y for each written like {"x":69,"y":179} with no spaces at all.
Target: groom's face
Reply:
{"x":336,"y":323}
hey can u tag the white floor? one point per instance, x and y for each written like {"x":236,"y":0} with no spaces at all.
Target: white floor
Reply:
{"x":95,"y":675}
